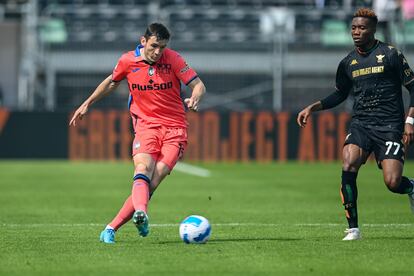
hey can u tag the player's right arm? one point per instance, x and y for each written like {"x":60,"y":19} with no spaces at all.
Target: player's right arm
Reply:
{"x":106,"y":87}
{"x":198,"y":90}
{"x":103,"y":89}
{"x":306,"y":112}
{"x":343,"y":85}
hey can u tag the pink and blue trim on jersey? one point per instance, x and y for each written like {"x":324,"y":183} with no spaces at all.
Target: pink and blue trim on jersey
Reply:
{"x":137,"y":54}
{"x":193,"y":78}
{"x":137,"y":50}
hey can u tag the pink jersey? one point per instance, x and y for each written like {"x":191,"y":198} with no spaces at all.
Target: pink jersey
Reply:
{"x":155,"y":88}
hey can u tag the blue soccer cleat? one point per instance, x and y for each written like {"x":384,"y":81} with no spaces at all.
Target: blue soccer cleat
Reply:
{"x":140,"y":220}
{"x":108,"y":236}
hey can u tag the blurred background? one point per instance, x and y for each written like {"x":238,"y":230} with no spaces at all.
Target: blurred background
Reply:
{"x":254,"y":56}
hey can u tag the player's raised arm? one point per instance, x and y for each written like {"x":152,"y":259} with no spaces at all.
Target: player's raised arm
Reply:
{"x":409,"y":121}
{"x":343,"y":86}
{"x":306,"y":112}
{"x":406,"y":75}
{"x":330,"y":101}
{"x":199,"y":89}
{"x":103,"y":89}
{"x":409,"y":126}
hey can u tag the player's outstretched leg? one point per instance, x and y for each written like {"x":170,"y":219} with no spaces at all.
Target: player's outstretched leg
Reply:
{"x":395,"y":181}
{"x":140,"y":220}
{"x":124,"y":214}
{"x":108,"y":235}
{"x":411,"y":196}
{"x":406,"y":186}
{"x":349,"y":195}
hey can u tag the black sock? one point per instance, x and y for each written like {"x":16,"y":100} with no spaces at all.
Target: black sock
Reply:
{"x":349,"y":194}
{"x":405,"y":187}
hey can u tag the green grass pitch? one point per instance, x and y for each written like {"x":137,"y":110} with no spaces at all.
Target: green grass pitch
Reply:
{"x":267,"y":219}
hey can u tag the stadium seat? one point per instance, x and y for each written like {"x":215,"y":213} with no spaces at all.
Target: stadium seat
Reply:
{"x":404,"y":34}
{"x":335,"y":33}
{"x":53,"y":31}
{"x":409,"y":32}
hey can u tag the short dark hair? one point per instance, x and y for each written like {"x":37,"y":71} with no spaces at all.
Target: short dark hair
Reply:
{"x":366,"y":13}
{"x":158,"y":30}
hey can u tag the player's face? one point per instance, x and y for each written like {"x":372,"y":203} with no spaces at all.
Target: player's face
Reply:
{"x":153,"y":48}
{"x":362,"y":30}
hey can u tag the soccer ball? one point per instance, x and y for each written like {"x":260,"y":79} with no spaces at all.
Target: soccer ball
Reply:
{"x":195,"y":229}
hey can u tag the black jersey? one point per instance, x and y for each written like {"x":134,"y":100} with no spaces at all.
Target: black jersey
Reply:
{"x":375,"y":78}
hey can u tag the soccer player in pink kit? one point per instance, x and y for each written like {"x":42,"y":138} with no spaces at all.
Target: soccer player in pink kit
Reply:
{"x":154,"y":74}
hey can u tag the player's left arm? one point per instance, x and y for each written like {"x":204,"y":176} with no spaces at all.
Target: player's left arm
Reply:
{"x":409,"y":121}
{"x":187,"y":75}
{"x":198,"y":90}
{"x":407,"y":79}
{"x":409,"y":127}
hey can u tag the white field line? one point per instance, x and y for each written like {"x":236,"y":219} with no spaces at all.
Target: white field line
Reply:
{"x":191,"y":169}
{"x":375,"y":225}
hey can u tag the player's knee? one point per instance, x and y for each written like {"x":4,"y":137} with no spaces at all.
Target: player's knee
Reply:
{"x":349,"y":166}
{"x":142,"y":168}
{"x":393,"y":183}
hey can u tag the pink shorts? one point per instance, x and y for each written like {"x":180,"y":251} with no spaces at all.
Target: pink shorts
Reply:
{"x":165,"y":144}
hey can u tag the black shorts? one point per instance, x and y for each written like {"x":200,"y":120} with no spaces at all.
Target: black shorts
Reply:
{"x":384,"y":145}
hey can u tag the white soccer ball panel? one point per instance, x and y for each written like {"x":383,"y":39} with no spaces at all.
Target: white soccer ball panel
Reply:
{"x":195,"y":229}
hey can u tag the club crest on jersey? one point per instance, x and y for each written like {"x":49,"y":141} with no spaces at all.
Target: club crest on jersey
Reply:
{"x":151,"y":71}
{"x":379,"y":58}
{"x":354,"y":62}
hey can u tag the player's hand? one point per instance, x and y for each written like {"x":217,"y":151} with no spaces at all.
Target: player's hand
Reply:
{"x":303,"y":116}
{"x":192,"y":103}
{"x":408,"y":136}
{"x":79,"y":113}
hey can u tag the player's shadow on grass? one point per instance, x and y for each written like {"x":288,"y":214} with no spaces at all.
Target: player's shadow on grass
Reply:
{"x":392,"y":238}
{"x":239,"y":240}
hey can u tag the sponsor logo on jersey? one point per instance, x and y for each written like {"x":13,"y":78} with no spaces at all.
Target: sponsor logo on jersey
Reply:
{"x":151,"y":71}
{"x":152,"y":86}
{"x":368,"y":71}
{"x":164,"y":68}
{"x":379,"y":58}
{"x":354,"y":62}
{"x":408,"y":72}
{"x":185,"y":69}
{"x":135,"y":70}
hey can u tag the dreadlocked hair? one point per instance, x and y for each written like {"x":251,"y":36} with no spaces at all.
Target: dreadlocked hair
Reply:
{"x":367,"y":13}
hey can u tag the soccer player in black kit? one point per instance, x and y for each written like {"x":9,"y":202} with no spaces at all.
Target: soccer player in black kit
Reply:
{"x":374,"y":72}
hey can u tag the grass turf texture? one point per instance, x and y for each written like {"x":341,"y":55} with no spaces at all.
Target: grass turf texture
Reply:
{"x":266,"y":219}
